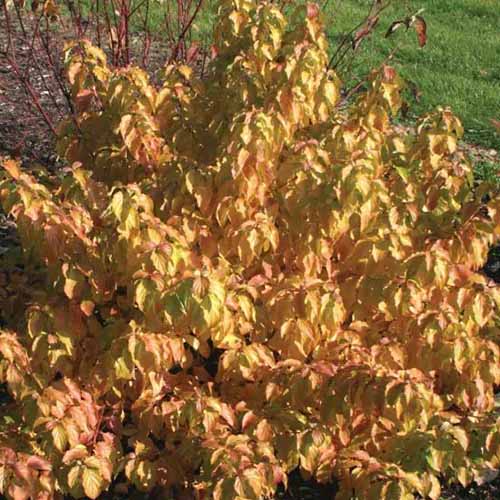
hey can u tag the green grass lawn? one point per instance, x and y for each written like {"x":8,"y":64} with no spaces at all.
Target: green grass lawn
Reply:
{"x":459,"y":67}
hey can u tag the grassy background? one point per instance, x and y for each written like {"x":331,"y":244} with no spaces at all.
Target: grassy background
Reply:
{"x":459,"y":67}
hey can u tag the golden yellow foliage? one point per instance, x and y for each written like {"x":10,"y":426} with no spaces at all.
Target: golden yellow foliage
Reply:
{"x":237,"y":278}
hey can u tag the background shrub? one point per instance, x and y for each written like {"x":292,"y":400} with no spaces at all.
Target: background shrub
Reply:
{"x":235,"y":279}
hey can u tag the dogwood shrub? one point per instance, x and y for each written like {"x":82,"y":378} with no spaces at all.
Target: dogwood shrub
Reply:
{"x":238,"y":277}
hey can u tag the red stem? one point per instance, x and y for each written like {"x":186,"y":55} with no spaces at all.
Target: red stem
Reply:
{"x":173,"y":57}
{"x":31,"y":91}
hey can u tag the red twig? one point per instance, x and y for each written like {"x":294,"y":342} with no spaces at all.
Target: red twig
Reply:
{"x":10,"y":56}
{"x":345,"y":45}
{"x":147,"y":39}
{"x":33,"y":95}
{"x":187,"y":26}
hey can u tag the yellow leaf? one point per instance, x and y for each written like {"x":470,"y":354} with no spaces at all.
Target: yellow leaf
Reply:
{"x":12,"y":168}
{"x":60,"y":437}
{"x":464,"y":476}
{"x":185,"y":71}
{"x":143,"y":293}
{"x":331,"y":93}
{"x":435,"y":491}
{"x":92,"y":482}
{"x":237,"y":18}
{"x":160,"y":262}
{"x":117,"y":205}
{"x":76,"y":453}
{"x":146,"y":474}
{"x":481,"y":310}
{"x":87,"y":307}
{"x":74,"y":476}
{"x":460,"y":435}
{"x":264,"y":431}
{"x":247,"y":307}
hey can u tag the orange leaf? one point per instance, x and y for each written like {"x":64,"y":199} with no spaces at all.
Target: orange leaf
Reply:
{"x":421,"y":29}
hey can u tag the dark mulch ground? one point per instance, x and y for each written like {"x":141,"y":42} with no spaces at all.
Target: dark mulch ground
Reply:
{"x":490,"y":491}
{"x":23,"y":131}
